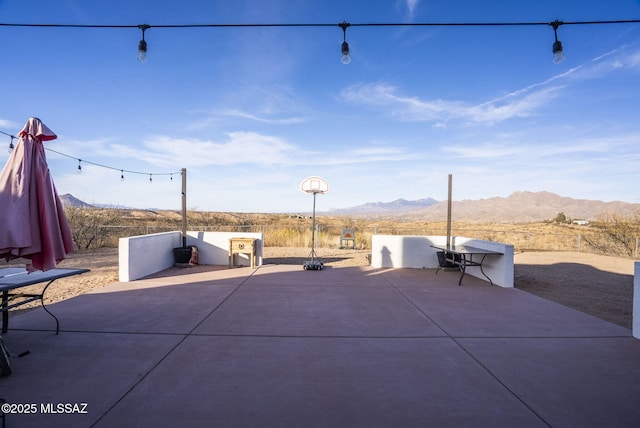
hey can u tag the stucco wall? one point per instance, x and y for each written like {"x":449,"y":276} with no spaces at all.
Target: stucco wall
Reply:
{"x":139,"y":256}
{"x":402,"y":251}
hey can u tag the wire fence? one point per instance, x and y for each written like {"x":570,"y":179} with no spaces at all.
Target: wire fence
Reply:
{"x":329,"y":236}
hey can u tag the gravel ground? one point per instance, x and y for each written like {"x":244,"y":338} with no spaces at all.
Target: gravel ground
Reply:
{"x":598,"y":285}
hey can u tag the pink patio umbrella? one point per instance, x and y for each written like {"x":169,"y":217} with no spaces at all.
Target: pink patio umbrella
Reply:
{"x":32,"y":220}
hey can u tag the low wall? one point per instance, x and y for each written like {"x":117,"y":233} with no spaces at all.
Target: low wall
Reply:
{"x":139,"y":256}
{"x":213,"y":247}
{"x":401,"y":251}
{"x":636,"y":300}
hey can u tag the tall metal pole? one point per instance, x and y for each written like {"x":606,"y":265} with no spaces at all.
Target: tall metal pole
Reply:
{"x":449,"y":212}
{"x":184,"y":207}
{"x":313,"y":229}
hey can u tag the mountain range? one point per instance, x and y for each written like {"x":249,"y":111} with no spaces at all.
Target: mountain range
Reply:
{"x":519,"y":207}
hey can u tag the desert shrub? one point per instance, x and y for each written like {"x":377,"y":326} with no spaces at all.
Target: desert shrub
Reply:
{"x":616,"y":234}
{"x":86,"y":226}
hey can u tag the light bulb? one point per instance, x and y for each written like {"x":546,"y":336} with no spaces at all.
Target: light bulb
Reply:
{"x":558,"y":54}
{"x":346,"y":59}
{"x":142,"y":51}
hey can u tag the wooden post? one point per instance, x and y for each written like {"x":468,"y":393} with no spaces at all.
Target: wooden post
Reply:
{"x":449,"y":213}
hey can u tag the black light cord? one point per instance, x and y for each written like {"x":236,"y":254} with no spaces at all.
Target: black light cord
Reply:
{"x":110,"y":167}
{"x":369,"y":24}
{"x":142,"y":46}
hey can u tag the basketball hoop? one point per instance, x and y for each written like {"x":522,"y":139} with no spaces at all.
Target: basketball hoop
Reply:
{"x":314,"y":185}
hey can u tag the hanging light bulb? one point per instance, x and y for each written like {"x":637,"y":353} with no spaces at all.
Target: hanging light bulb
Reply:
{"x":79,"y":166}
{"x":558,"y":54}
{"x":11,"y":146}
{"x":142,"y":46}
{"x":346,"y":58}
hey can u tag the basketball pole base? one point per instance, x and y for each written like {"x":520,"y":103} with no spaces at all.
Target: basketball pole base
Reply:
{"x":312,"y":265}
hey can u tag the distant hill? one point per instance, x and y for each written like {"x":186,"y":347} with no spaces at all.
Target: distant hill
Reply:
{"x":399,"y":206}
{"x":68,"y":200}
{"x":517,"y":207}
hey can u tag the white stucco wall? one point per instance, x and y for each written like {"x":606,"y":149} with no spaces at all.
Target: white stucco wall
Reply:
{"x":402,"y":251}
{"x":213,"y":247}
{"x":139,"y":256}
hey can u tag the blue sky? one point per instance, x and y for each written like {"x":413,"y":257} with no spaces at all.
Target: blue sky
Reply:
{"x":251,"y":112}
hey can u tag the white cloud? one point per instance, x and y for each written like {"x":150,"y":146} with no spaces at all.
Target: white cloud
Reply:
{"x":365,"y":155}
{"x":9,"y":126}
{"x":240,"y":147}
{"x":244,"y":147}
{"x":507,"y":108}
{"x":265,"y":119}
{"x":522,"y":102}
{"x":481,"y":151}
{"x":379,"y":95}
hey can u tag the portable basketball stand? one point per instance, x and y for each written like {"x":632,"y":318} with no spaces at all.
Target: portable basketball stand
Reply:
{"x":314,"y":185}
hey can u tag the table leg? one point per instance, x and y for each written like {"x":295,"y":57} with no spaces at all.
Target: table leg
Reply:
{"x":45,"y":307}
{"x":463,"y":267}
{"x":482,"y":270}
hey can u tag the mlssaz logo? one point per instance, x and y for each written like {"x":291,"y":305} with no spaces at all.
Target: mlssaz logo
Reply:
{"x":67,"y":408}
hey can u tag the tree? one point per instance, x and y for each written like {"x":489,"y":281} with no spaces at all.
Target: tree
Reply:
{"x":616,"y":234}
{"x":561,"y":218}
{"x":87,"y":226}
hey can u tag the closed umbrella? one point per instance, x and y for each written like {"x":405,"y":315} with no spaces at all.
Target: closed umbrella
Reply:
{"x":32,"y":220}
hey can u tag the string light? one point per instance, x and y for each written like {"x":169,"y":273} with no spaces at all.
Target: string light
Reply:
{"x":558,"y":55}
{"x":346,"y":58}
{"x":122,"y":171}
{"x":12,"y":137}
{"x":142,"y":45}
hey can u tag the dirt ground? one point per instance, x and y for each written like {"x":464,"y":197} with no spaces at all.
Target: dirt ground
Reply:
{"x":598,"y":285}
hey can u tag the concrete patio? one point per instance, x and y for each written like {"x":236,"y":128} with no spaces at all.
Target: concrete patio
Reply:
{"x":348,"y":347}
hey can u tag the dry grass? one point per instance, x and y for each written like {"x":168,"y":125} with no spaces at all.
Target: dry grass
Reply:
{"x":282,"y":230}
